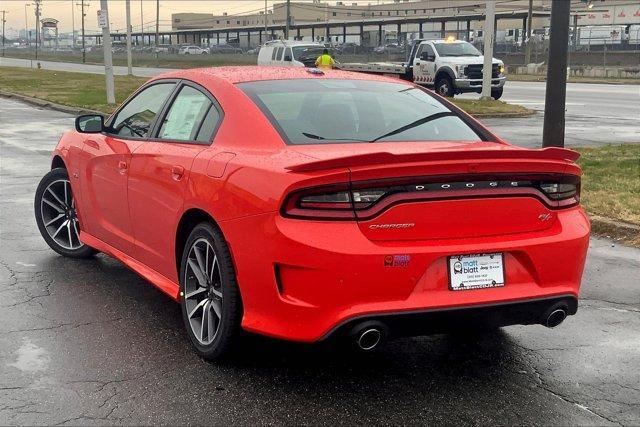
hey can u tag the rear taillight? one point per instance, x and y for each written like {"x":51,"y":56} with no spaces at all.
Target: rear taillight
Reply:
{"x":366,"y":199}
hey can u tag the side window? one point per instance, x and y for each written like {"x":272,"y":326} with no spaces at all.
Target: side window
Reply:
{"x":288,"y":55}
{"x":279,"y":54}
{"x":190,"y":111}
{"x":135,"y":118}
{"x":273,"y":53}
{"x":429,"y":50}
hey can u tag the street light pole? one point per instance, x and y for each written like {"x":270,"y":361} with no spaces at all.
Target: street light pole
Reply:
{"x":527,"y":52}
{"x":73,"y":26}
{"x":82,"y":15}
{"x":141,"y":23}
{"x":129,"y":61}
{"x":157,"y":28}
{"x":37,"y":5}
{"x":286,"y":28}
{"x":487,"y":68}
{"x":27,"y":34}
{"x":3,"y":21}
{"x":556,"y":93}
{"x":103,"y":21}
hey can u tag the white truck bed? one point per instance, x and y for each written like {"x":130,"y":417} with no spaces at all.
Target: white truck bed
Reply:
{"x":375,"y":67}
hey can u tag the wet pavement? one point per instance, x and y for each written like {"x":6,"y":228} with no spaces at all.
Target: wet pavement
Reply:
{"x":90,"y":342}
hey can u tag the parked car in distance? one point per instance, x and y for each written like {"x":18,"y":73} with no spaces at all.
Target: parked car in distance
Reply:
{"x":253,"y":51}
{"x":163,"y":48}
{"x":389,"y":48}
{"x":309,"y":205}
{"x":225,"y":49}
{"x":289,"y":53}
{"x":193,"y":50}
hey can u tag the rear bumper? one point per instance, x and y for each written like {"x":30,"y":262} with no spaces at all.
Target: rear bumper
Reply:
{"x":300,"y":280}
{"x":441,"y":320}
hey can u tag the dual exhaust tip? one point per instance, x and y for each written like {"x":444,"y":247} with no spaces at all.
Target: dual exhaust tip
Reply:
{"x":370,"y":335}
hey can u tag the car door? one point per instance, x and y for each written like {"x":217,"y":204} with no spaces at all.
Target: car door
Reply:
{"x":159,"y":173}
{"x":424,"y":64}
{"x":105,"y":162}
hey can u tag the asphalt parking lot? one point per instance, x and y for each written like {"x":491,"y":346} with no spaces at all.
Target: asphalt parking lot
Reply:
{"x":90,"y":342}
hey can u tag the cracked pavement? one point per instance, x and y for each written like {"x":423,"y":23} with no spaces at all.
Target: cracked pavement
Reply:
{"x":90,"y":342}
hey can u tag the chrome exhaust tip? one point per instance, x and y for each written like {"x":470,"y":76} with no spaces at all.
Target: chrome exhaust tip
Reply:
{"x":369,"y":339}
{"x":555,"y":318}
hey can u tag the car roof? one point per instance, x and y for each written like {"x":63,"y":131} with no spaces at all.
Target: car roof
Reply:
{"x":445,"y":41}
{"x":242,"y":74}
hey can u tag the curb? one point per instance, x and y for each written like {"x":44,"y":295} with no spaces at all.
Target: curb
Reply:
{"x":48,"y":104}
{"x":503,"y":115}
{"x":618,"y":231}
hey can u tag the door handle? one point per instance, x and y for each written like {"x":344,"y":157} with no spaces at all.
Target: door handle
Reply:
{"x":177,"y":172}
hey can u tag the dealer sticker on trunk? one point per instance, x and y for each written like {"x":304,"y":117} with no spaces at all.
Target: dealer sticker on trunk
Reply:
{"x":476,"y":271}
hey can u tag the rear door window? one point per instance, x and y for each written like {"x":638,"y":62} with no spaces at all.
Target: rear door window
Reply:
{"x":191,"y":117}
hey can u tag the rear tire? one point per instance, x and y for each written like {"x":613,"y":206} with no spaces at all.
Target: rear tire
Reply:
{"x":496,"y":93}
{"x":444,"y":86}
{"x":55,"y":212}
{"x":209,"y":294}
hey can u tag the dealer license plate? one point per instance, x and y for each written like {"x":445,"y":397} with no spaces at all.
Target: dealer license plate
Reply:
{"x":476,"y":271}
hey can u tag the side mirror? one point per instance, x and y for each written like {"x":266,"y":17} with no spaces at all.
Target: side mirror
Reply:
{"x":90,"y":123}
{"x":288,"y":58}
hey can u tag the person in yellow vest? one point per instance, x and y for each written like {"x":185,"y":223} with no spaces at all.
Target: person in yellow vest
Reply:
{"x":325,"y":60}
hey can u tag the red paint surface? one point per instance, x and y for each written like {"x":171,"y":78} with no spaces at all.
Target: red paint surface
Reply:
{"x":132,"y":194}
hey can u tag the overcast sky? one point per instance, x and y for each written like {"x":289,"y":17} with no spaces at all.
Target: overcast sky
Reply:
{"x":61,"y":10}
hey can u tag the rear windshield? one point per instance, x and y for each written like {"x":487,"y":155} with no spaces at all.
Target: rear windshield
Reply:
{"x":315,"y":111}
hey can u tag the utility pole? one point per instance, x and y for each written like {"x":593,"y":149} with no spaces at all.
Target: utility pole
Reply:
{"x":527,"y":52}
{"x":265,"y":21}
{"x":82,"y":16}
{"x":129,"y":61}
{"x":489,"y":34}
{"x":555,"y":97}
{"x":27,"y":33}
{"x":103,"y":21}
{"x":157,"y":28}
{"x":3,"y":21}
{"x":141,"y":22}
{"x":287,"y":26}
{"x":73,"y":26}
{"x":37,"y":5}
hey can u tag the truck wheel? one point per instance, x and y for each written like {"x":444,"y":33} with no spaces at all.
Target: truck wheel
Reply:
{"x":496,"y":93}
{"x":444,"y":86}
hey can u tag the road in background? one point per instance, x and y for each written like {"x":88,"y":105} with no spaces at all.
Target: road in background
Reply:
{"x":90,"y":342}
{"x":596,"y":113}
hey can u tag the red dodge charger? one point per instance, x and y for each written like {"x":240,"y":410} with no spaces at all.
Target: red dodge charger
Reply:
{"x":306,"y":205}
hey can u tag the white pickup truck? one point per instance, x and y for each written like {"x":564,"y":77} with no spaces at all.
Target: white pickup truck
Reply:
{"x":451,"y":67}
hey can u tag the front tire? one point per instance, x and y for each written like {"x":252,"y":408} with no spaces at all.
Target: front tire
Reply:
{"x":209,"y":295}
{"x":56,"y":215}
{"x":496,"y":93}
{"x":444,"y":86}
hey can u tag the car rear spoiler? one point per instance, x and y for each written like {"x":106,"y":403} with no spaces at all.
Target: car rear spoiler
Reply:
{"x":369,"y":159}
